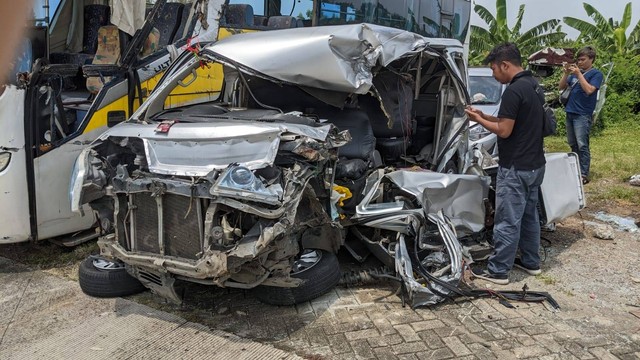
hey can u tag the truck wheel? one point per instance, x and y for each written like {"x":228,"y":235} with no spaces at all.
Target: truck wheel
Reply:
{"x":103,"y":278}
{"x":319,"y":269}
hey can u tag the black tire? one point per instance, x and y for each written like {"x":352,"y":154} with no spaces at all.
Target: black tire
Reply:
{"x":105,"y":283}
{"x":323,"y":276}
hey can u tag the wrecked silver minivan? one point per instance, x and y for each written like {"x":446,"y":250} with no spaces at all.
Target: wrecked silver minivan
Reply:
{"x":318,"y":135}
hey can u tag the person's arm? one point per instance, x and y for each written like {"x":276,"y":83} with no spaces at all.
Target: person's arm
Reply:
{"x":503,"y":127}
{"x":584,"y":84}
{"x":566,"y":71}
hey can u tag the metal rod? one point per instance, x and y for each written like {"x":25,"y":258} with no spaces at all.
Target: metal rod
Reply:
{"x":132,"y":222}
{"x":46,"y":24}
{"x":418,"y":76}
{"x":160,"y":224}
{"x":46,"y":11}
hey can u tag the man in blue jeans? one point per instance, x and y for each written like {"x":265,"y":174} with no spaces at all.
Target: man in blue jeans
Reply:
{"x":584,"y":81}
{"x":521,"y":167}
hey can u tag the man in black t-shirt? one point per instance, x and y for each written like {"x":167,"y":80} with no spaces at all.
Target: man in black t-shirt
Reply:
{"x":521,"y":167}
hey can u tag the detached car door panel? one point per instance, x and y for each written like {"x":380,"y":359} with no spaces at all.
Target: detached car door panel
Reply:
{"x":52,"y":176}
{"x":562,"y":193}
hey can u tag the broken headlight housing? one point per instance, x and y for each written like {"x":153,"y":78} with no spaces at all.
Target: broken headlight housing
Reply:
{"x":241,"y":183}
{"x":5,"y":158}
{"x":477,"y":132}
{"x":78,"y":174}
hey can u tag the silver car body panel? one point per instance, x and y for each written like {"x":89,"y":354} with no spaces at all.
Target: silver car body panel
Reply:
{"x":331,"y":60}
{"x":335,"y":58}
{"x":433,"y":293}
{"x":460,"y":197}
{"x":196,"y":149}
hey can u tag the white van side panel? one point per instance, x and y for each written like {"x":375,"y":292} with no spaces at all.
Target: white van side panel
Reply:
{"x":52,"y":177}
{"x":14,"y":200}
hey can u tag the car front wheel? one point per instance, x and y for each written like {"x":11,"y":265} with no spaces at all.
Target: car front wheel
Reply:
{"x":100,"y":277}
{"x":320,"y":271}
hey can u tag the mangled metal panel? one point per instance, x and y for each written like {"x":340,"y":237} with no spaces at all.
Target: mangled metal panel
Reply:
{"x":435,"y":291}
{"x":198,"y":158}
{"x":195,"y":149}
{"x":337,"y":58}
{"x":222,"y":130}
{"x":460,"y":197}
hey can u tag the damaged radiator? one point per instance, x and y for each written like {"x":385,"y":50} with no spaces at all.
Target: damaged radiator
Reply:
{"x":168,"y":224}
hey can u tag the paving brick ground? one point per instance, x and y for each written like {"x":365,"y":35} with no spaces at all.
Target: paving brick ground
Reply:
{"x":372,"y":323}
{"x":594,"y":281}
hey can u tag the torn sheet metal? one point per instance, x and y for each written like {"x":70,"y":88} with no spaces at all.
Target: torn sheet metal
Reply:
{"x":198,"y":158}
{"x":460,"y":197}
{"x":195,"y":149}
{"x":338,"y":58}
{"x":224,"y":129}
{"x":433,"y":293}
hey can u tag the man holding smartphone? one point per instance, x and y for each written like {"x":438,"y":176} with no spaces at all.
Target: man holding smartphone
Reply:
{"x":521,"y":167}
{"x":584,"y":81}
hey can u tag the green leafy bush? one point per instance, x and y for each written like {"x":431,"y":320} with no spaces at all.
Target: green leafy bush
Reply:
{"x":619,"y":108}
{"x":626,"y":74}
{"x":561,"y":126}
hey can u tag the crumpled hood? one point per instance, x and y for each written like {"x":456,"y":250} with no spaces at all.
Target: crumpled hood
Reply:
{"x":195,"y":149}
{"x":336,"y":58}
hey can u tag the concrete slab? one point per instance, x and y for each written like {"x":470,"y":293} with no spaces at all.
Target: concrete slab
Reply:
{"x":45,"y":317}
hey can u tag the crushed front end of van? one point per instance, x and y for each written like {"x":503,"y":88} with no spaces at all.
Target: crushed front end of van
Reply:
{"x":318,"y":137}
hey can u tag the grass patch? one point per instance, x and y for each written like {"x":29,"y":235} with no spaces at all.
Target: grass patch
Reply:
{"x":614,"y":159}
{"x":45,"y":255}
{"x":624,"y":194}
{"x":546,"y":279}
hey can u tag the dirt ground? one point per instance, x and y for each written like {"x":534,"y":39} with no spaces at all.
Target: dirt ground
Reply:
{"x":602,"y":275}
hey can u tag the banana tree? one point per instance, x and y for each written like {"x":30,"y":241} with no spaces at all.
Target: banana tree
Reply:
{"x":483,"y":39}
{"x":609,"y":35}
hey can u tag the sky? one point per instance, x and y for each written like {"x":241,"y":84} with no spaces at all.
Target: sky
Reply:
{"x":537,"y":11}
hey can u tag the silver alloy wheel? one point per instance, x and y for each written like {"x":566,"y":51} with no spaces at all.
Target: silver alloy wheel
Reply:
{"x":106,"y":265}
{"x":308,"y":259}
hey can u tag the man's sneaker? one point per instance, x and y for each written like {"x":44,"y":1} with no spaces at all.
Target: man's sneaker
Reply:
{"x":482,"y":273}
{"x":531,"y":271}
